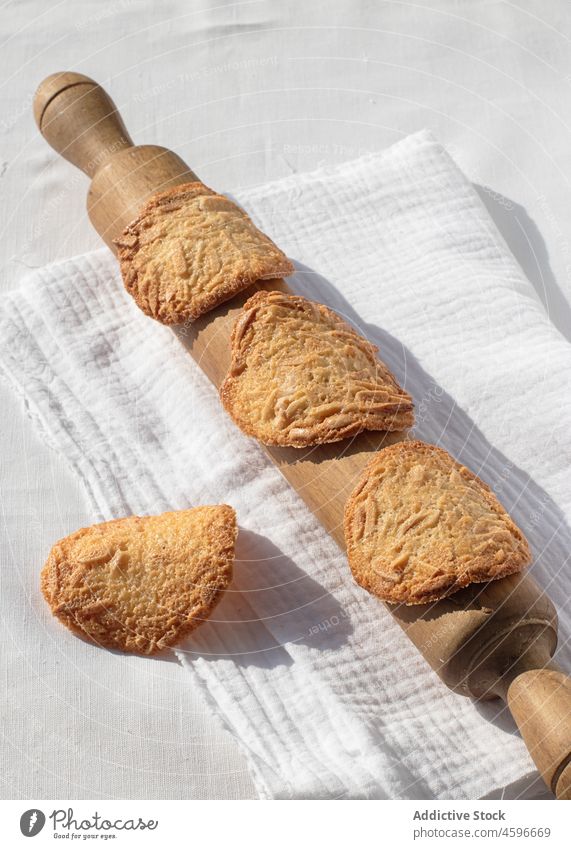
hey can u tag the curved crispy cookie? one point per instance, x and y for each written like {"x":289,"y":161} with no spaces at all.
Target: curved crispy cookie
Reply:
{"x":190,"y":250}
{"x":142,"y":583}
{"x":301,"y":376}
{"x":420,"y":526}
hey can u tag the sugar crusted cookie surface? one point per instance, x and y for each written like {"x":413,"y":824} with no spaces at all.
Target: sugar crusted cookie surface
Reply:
{"x":190,"y":250}
{"x":420,"y":526}
{"x":140,"y":584}
{"x":301,"y":376}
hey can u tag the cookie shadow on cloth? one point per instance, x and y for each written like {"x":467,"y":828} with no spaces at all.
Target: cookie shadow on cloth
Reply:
{"x":526,"y":243}
{"x":271,"y":607}
{"x":441,"y":421}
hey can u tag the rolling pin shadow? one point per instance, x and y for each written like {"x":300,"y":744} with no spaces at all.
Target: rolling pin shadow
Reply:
{"x":492,"y":640}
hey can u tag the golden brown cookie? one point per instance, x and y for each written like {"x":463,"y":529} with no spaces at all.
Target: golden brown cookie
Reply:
{"x":190,"y":250}
{"x":301,"y":376}
{"x":140,"y":584}
{"x":420,"y":526}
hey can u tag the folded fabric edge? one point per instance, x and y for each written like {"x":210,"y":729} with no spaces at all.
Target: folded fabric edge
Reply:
{"x":262,"y":774}
{"x":401,"y":148}
{"x":45,"y":433}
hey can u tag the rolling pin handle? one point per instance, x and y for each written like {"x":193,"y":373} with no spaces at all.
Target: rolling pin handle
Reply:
{"x":540,"y":702}
{"x":79,"y":120}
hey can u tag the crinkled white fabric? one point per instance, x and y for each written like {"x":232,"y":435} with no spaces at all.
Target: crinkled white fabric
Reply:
{"x":325,"y":695}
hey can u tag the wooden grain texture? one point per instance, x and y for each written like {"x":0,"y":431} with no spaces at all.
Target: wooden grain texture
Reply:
{"x":539,"y":702}
{"x":485,"y":641}
{"x":82,"y":123}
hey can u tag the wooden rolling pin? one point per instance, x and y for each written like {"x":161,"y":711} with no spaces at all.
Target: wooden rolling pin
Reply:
{"x":487,"y":641}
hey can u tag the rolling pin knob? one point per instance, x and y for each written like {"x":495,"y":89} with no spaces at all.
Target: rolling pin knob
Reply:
{"x":79,"y":120}
{"x":497,"y":640}
{"x":563,"y":785}
{"x":540,"y":702}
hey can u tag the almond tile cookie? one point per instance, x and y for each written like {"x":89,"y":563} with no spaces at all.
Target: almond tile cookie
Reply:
{"x":140,"y":584}
{"x":190,"y":250}
{"x":300,"y":376}
{"x":420,"y":526}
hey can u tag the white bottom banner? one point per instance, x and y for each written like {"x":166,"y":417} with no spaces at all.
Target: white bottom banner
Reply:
{"x":281,"y":825}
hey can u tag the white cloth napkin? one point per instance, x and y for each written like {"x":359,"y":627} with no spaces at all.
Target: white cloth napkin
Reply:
{"x":323,"y":692}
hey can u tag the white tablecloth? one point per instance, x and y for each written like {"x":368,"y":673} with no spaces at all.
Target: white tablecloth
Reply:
{"x":245,"y":92}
